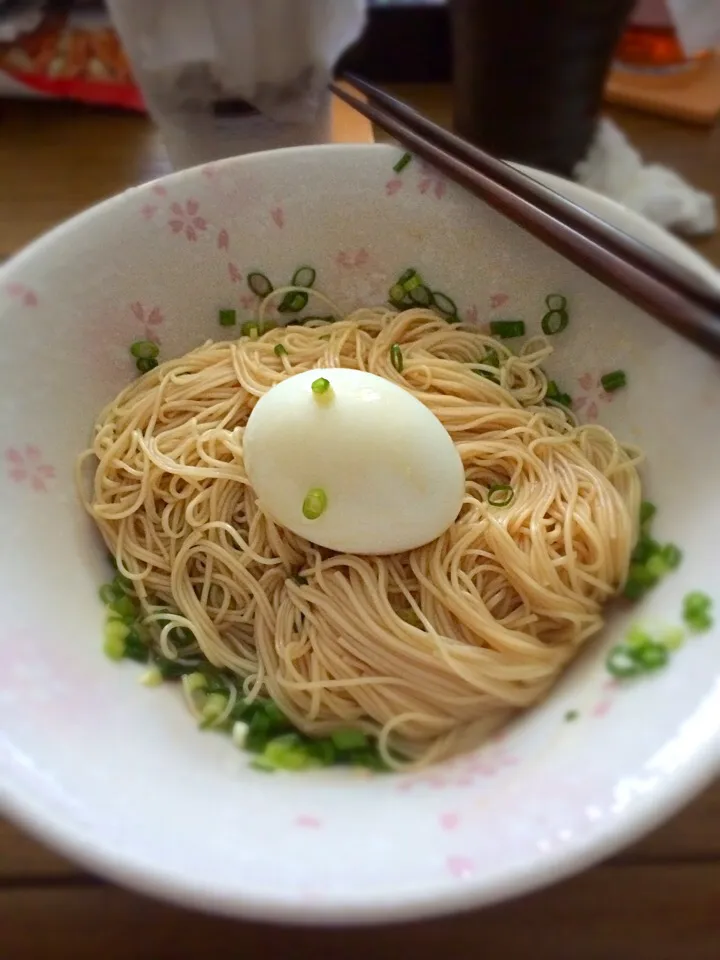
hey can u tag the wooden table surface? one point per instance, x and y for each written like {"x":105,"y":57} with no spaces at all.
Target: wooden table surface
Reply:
{"x":659,"y":900}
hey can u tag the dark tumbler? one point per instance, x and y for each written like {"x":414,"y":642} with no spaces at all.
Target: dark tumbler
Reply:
{"x":529,"y":75}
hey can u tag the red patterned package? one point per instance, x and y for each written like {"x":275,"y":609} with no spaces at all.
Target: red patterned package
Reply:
{"x":74,"y":55}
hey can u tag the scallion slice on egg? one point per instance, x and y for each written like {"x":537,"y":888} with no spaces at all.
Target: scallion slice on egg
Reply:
{"x":314,"y":504}
{"x":321,"y":387}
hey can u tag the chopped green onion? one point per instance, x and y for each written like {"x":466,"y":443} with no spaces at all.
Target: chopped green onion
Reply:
{"x":250,"y":329}
{"x":368,"y":758}
{"x":672,"y":556}
{"x":673,"y":638}
{"x":645,"y":548}
{"x":421,"y":296}
{"x":647,"y":511}
{"x":402,"y":162}
{"x":122,"y":584}
{"x":445,"y":306}
{"x":348,"y":739}
{"x":279,"y":350}
{"x":507,"y":329}
{"x":124,"y":607}
{"x":144,"y":350}
{"x":136,"y":648}
{"x":115,"y":633}
{"x":288,"y":752}
{"x":491,"y":358}
{"x":409,"y":279}
{"x":696,"y":611}
{"x":396,"y":357}
{"x":396,"y":293}
{"x":553,"y":392}
{"x":293,"y":302}
{"x":267,"y":325}
{"x":146,"y":364}
{"x":215,"y":705}
{"x":656,"y":566}
{"x":320,"y":386}
{"x":556,"y":301}
{"x":696,"y":602}
{"x":650,"y":656}
{"x":322,"y":750}
{"x":259,"y":284}
{"x":640,"y":573}
{"x":571,"y":715}
{"x":277,"y":718}
{"x":613,"y":381}
{"x":217,"y":680}
{"x":555,"y":321}
{"x":239,"y":733}
{"x":637,"y":637}
{"x":227,"y":317}
{"x":500,"y":494}
{"x":171,"y":669}
{"x":151,"y":678}
{"x":262,"y":764}
{"x":109,"y":592}
{"x":314,"y":504}
{"x":621,"y":664}
{"x":304,"y":277}
{"x":633,"y":589}
{"x":195,"y":681}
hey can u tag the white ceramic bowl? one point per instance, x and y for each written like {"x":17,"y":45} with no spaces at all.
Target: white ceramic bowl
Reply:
{"x":118,"y":776}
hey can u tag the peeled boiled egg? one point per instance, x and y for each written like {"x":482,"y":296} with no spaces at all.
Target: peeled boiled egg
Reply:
{"x":352,"y":462}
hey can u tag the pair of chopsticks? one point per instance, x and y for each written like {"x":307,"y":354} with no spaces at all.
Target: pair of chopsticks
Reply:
{"x":667,"y":290}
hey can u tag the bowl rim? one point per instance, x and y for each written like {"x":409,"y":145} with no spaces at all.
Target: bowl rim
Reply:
{"x":111,"y":861}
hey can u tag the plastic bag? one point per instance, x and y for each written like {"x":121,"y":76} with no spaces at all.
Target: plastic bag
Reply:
{"x":224,"y":77}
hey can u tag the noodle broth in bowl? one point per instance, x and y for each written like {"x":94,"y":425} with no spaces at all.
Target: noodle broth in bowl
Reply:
{"x":343,"y":511}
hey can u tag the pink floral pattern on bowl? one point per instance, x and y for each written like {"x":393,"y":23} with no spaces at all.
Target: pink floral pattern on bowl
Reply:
{"x":26,"y":466}
{"x":594,"y":396}
{"x":22,"y":293}
{"x":461,"y":772}
{"x":185,"y":219}
{"x":150,"y":319}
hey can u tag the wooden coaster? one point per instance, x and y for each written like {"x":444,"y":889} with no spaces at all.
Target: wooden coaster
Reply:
{"x":692,"y":94}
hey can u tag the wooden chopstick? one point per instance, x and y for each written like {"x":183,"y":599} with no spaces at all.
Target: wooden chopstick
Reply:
{"x":651,"y":261}
{"x":666,"y":290}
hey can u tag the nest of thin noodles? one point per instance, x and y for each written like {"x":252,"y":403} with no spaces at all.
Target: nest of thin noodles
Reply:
{"x":430,"y":649}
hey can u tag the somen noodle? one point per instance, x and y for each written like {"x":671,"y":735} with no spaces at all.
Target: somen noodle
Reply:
{"x":428,"y":650}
